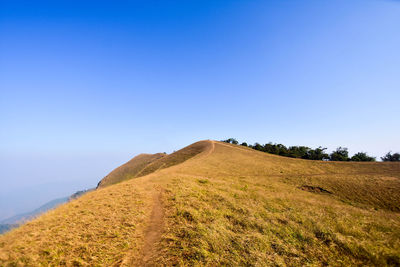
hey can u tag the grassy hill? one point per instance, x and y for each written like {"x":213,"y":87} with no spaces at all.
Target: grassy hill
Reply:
{"x":130,"y":170}
{"x":144,"y":164}
{"x":213,"y":204}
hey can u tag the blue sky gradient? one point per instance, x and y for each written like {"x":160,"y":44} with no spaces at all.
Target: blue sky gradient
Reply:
{"x":86,"y":85}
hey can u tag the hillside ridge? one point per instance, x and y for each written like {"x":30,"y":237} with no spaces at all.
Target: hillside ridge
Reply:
{"x":144,"y":164}
{"x":221,"y":204}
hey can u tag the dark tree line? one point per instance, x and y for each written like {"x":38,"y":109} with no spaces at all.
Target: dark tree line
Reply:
{"x":391,"y":157}
{"x":304,"y":152}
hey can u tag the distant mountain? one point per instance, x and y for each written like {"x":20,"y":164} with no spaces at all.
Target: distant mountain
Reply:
{"x":79,"y":193}
{"x":14,"y":221}
{"x":6,"y":227}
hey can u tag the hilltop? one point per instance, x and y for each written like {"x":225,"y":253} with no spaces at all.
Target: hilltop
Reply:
{"x":213,"y":203}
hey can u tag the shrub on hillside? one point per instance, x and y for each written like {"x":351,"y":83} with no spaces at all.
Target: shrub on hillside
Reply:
{"x":318,"y":154}
{"x":340,"y":154}
{"x":362,"y":156}
{"x":391,"y":157}
{"x":258,"y":147}
{"x":231,"y":141}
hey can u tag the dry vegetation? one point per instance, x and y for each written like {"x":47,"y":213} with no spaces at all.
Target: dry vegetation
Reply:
{"x":228,"y":205}
{"x":144,"y":164}
{"x":129,"y":170}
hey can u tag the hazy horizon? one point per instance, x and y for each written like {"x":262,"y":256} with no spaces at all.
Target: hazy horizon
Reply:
{"x":87,"y":86}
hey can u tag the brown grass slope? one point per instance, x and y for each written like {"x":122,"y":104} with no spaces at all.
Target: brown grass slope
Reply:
{"x":227,"y":205}
{"x":129,"y":170}
{"x":144,"y":164}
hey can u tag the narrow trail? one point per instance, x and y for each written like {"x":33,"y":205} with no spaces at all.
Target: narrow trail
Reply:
{"x":153,"y":232}
{"x":212,"y":148}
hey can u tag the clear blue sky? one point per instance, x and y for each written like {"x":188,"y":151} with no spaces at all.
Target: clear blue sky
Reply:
{"x":86,"y":85}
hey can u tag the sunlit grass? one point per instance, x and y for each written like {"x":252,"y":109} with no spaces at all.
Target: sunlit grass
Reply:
{"x":227,"y":206}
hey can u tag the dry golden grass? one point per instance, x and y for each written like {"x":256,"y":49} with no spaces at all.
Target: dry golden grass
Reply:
{"x":228,"y":205}
{"x":145,"y":164}
{"x":129,"y":170}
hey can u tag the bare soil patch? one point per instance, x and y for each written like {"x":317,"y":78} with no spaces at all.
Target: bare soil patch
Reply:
{"x":314,"y":189}
{"x":152,"y":234}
